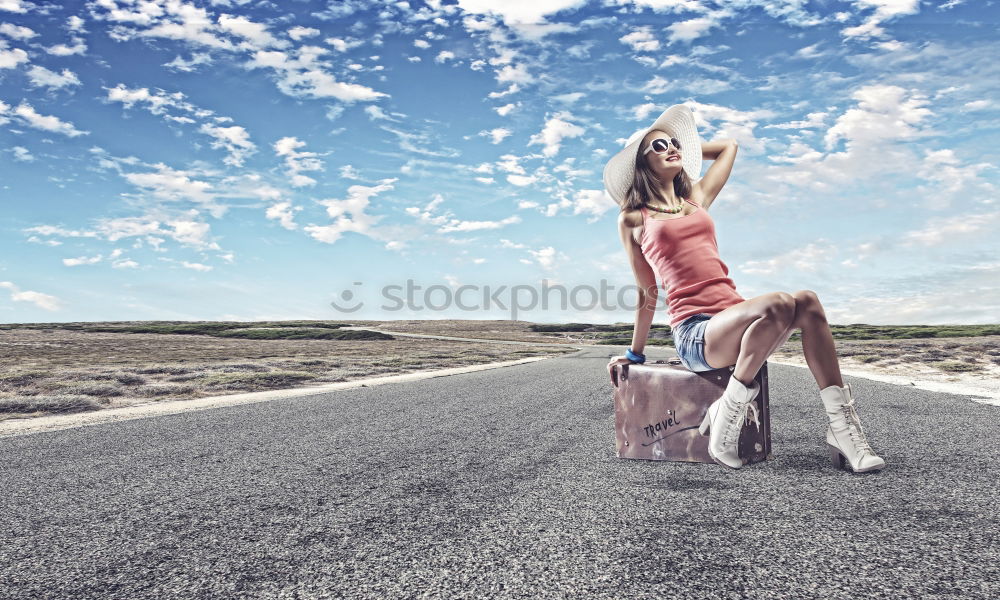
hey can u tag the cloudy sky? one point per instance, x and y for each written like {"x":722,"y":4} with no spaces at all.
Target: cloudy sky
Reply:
{"x":244,"y":160}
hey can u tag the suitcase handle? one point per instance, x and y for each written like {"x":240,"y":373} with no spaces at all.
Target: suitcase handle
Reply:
{"x":624,"y":369}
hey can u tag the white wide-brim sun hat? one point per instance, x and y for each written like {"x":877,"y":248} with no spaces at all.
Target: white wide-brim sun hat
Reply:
{"x":678,"y":121}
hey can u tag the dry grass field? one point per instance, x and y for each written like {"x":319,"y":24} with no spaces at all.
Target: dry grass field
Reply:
{"x":53,"y":370}
{"x":48,"y":369}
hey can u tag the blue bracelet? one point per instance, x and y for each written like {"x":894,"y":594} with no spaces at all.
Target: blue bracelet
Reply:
{"x":632,"y":356}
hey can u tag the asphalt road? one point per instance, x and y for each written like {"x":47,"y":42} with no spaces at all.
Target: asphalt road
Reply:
{"x":500,"y":483}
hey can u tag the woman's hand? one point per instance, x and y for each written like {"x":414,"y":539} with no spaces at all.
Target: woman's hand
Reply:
{"x":613,"y":371}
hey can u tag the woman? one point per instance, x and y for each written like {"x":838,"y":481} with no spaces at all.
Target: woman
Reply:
{"x":664,"y":225}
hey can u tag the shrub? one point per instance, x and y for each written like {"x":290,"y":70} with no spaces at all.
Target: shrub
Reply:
{"x":61,"y":403}
{"x":164,"y":389}
{"x":956,"y":366}
{"x":119,"y":376}
{"x":94,"y":389}
{"x":163,"y":370}
{"x":274,"y":379}
{"x":22,"y":378}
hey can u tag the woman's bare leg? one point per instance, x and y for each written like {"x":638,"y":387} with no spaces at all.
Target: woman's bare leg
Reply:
{"x":747,"y":333}
{"x":817,"y":339}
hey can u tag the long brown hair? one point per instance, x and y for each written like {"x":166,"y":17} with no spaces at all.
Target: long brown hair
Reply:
{"x":645,"y":184}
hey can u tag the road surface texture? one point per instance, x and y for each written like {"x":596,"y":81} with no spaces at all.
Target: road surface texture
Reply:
{"x":499,"y":484}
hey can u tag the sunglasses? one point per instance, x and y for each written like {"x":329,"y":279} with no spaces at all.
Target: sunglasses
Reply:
{"x":661,"y":145}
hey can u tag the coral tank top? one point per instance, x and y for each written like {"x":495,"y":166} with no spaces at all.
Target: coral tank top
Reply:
{"x":684,"y":251}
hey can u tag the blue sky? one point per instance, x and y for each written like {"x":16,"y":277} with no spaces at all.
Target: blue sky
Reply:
{"x":241,"y":160}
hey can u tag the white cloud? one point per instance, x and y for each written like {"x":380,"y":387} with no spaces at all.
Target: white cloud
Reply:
{"x":82,"y":260}
{"x":196,"y":266}
{"x":951,"y":229}
{"x":75,"y":24}
{"x":46,"y":122}
{"x":170,"y":184}
{"x":515,"y":74}
{"x":256,"y":34}
{"x":192,"y":233}
{"x":16,"y":32}
{"x":405,"y":141}
{"x":123,"y":227}
{"x":298,"y":33}
{"x":798,"y":152}
{"x":11,"y":58}
{"x":298,"y":162}
{"x":884,"y":112}
{"x":342,"y":45}
{"x":40,"y":300}
{"x":15,"y":6}
{"x":54,"y":230}
{"x":375,"y":113}
{"x":447,"y":223}
{"x":809,"y":52}
{"x":884,"y":10}
{"x":42,"y":77}
{"x":506,"y":109}
{"x":303,"y":75}
{"x":691,"y":29}
{"x":548,"y":258}
{"x":594,"y":203}
{"x":444,"y":56}
{"x":556,"y":129}
{"x":521,"y":180}
{"x":641,"y":40}
{"x":457,"y":225}
{"x":496,"y":135}
{"x":78,"y":47}
{"x":156,"y":103}
{"x":719,"y":121}
{"x":813,"y":120}
{"x":349,"y":214}
{"x":22,"y":154}
{"x":520,"y":12}
{"x":284,"y":213}
{"x":513,"y":88}
{"x":173,"y":20}
{"x":810,"y":257}
{"x":569,"y":98}
{"x":949,"y":179}
{"x":187,"y":66}
{"x":642,"y":111}
{"x":234,"y":139}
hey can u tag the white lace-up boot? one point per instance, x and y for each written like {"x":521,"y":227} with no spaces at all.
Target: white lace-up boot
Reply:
{"x":725,"y":418}
{"x":844,"y":436}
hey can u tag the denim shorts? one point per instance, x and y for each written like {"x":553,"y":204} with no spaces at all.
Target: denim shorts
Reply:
{"x":689,"y":341}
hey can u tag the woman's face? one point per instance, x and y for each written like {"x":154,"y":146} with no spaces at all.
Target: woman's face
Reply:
{"x":667,"y":165}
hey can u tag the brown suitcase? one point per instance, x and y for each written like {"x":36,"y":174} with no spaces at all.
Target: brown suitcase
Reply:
{"x":659,"y":405}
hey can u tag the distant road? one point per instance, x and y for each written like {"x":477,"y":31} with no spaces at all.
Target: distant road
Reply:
{"x":498,"y":483}
{"x":463,"y":339}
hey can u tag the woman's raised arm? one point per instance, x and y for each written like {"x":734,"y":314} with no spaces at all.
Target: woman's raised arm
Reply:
{"x":723,"y":154}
